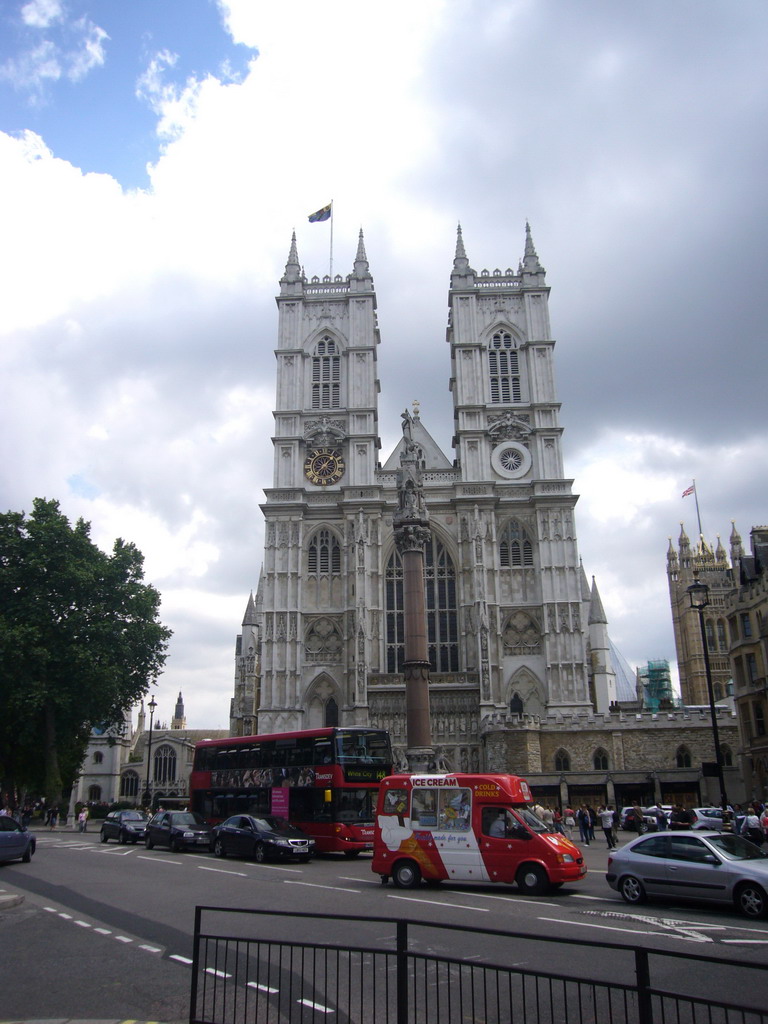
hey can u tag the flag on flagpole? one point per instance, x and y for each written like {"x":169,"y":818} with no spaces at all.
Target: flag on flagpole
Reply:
{"x":320,"y":215}
{"x":689,"y":490}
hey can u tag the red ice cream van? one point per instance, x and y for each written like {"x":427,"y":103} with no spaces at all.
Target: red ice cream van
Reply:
{"x":468,"y":828}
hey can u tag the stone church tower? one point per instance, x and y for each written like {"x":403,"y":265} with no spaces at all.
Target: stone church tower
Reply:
{"x":510,"y":612}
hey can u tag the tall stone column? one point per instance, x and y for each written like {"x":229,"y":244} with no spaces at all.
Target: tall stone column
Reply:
{"x":411,"y":528}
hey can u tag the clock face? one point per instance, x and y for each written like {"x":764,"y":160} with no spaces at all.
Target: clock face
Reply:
{"x":324,"y":466}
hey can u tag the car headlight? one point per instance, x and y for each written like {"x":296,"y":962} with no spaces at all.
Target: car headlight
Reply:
{"x":282,"y":842}
{"x":566,"y":858}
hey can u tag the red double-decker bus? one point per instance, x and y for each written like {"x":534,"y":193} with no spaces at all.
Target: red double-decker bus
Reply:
{"x":325,"y":781}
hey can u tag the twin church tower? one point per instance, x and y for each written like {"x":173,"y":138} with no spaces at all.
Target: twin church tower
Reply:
{"x":516,"y":635}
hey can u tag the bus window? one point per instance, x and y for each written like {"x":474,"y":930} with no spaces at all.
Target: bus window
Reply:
{"x":322,"y":753}
{"x":355,"y":805}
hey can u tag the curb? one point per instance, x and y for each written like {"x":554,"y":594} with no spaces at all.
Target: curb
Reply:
{"x":11,"y":900}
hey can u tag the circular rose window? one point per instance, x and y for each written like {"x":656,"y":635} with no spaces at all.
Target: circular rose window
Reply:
{"x":511,"y":460}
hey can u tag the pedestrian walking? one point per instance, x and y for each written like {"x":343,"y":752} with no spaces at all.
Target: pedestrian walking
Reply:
{"x":582,"y":817}
{"x":606,"y":820}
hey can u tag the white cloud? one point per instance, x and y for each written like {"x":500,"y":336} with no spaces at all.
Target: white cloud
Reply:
{"x":41,"y":13}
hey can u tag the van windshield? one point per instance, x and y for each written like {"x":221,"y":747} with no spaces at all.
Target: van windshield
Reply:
{"x":534,"y":824}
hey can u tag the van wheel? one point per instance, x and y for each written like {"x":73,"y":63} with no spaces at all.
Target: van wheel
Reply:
{"x":406,"y":874}
{"x":532,"y":879}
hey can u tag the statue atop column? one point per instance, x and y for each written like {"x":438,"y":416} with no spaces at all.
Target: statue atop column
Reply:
{"x":411,"y":527}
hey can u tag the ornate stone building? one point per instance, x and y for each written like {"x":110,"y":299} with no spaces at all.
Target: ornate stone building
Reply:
{"x":746,"y":609}
{"x":523,"y":675}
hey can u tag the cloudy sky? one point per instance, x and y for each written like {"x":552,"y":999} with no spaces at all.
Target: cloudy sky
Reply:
{"x":156,"y":155}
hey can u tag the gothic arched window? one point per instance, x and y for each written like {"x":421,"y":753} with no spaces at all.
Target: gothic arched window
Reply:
{"x":98,"y":757}
{"x":503,"y":369}
{"x":710,"y":636}
{"x":722,"y":636}
{"x":683,"y":757}
{"x":331,"y":712}
{"x":324,"y":555}
{"x":562,"y":761}
{"x":516,"y":704}
{"x":326,"y":374}
{"x":165,"y":764}
{"x":129,"y":784}
{"x":515,"y":547}
{"x":442,"y":616}
{"x":600,"y":761}
{"x":727,"y":755}
{"x":94,"y":794}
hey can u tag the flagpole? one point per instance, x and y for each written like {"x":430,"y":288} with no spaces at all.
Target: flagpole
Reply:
{"x":698,"y":514}
{"x":331,"y":262}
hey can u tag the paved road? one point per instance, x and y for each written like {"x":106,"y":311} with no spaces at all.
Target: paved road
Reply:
{"x":106,"y":930}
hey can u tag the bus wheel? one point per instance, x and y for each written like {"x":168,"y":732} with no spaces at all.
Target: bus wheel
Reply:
{"x":532,"y":880}
{"x":351,"y":853}
{"x":406,"y":874}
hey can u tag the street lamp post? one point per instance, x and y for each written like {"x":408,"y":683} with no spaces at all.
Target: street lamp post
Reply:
{"x":698,"y":594}
{"x":147,"y":795}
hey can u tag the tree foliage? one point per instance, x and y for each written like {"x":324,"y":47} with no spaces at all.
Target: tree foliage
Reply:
{"x":80,"y":643}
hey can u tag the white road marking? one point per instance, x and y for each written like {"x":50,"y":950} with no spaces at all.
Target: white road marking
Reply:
{"x":315,"y":1006}
{"x":583,"y":896}
{"x":262,"y":988}
{"x":51,"y":910}
{"x":754,"y":942}
{"x":67,"y":917}
{"x":83,"y":924}
{"x":150,"y":949}
{"x":348,"y":878}
{"x":103,"y":931}
{"x":607,"y":927}
{"x":513,"y":899}
{"x":276,"y":867}
{"x":123,"y":938}
{"x":437,"y":903}
{"x":315,"y":885}
{"x":223,"y":871}
{"x":181,"y":959}
{"x":159,"y":860}
{"x":217,"y":974}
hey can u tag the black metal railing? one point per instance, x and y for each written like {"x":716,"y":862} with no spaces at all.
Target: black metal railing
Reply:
{"x":269,"y":967}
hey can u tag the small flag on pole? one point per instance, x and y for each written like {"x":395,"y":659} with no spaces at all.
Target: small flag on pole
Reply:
{"x":689,"y":490}
{"x":320,"y":215}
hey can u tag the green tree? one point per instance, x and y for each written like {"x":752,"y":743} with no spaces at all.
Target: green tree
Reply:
{"x":80,"y":643}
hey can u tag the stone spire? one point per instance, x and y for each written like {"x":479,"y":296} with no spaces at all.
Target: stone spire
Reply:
{"x":362,"y":270}
{"x":249,"y":619}
{"x":672,"y":562}
{"x":462,"y":273}
{"x":737,"y":549}
{"x":531,"y":263}
{"x":292,"y":267}
{"x":596,"y":611}
{"x":720,"y":557}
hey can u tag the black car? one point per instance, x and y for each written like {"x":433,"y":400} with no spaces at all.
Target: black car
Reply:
{"x":124,"y":826}
{"x":179,"y":830}
{"x":263,"y":839}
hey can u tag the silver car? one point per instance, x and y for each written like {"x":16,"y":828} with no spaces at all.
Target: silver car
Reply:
{"x":715,"y":866}
{"x":16,"y":843}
